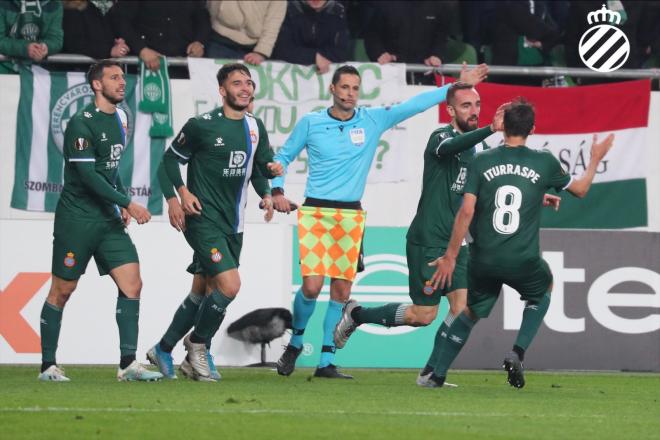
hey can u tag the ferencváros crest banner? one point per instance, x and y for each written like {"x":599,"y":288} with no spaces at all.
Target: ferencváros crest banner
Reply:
{"x":48,"y":100}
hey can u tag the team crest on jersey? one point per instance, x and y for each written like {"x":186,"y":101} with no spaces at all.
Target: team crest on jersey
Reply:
{"x":428,"y":288}
{"x":357,"y":136}
{"x":253,"y":137}
{"x":81,"y":144}
{"x":216,"y":256}
{"x":69,"y":260}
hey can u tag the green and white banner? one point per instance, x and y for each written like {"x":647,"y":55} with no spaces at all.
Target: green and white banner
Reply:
{"x":48,"y":100}
{"x":285,"y":92}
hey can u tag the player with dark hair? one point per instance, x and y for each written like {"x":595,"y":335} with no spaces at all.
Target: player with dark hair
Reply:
{"x":502,"y":209}
{"x":90,"y":220}
{"x":223,"y":148}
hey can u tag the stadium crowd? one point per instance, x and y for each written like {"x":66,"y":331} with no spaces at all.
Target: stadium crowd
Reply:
{"x":321,"y":32}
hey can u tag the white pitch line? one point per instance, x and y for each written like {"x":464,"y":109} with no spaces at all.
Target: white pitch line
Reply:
{"x":50,"y":409}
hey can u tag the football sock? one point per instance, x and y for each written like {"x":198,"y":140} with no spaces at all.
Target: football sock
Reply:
{"x":182,"y":322}
{"x":457,"y":334}
{"x":51,"y":321}
{"x":440,"y":335}
{"x":531,"y":321}
{"x":125,"y":361}
{"x":332,"y":317}
{"x":390,"y":315}
{"x":303,"y":308}
{"x":127,"y":315}
{"x":210,"y":316}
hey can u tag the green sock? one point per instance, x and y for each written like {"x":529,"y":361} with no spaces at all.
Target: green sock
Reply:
{"x":457,"y":334}
{"x":182,"y":322}
{"x":51,"y":321}
{"x":439,"y":337}
{"x":531,"y":321}
{"x":390,"y":315}
{"x":127,"y":316}
{"x":210,"y":316}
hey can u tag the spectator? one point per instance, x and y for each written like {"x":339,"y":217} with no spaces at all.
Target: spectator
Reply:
{"x":155,"y":28}
{"x":88,"y":30}
{"x":408,"y":32}
{"x":313,"y":32}
{"x":29,"y":30}
{"x":244,"y":30}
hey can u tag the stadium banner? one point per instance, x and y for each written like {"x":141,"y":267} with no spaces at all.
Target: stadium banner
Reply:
{"x":47,"y":101}
{"x":566,"y":120}
{"x":286,"y":92}
{"x":604,"y":313}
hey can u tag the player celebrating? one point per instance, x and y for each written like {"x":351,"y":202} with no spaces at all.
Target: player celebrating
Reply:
{"x":90,"y":220}
{"x":341,"y":142}
{"x":501,"y":207}
{"x":222,"y":148}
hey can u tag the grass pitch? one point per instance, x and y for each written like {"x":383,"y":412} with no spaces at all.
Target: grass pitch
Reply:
{"x":379,"y":404}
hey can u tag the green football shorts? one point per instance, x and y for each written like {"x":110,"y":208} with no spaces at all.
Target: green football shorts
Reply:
{"x":532,"y":280}
{"x":215,"y":252}
{"x":419,"y":274}
{"x":76,"y":241}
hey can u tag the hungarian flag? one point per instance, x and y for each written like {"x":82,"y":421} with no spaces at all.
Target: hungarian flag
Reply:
{"x":48,"y":100}
{"x":566,"y":120}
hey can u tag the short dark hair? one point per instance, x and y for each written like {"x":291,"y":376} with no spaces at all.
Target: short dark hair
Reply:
{"x":344,"y":70}
{"x":455,"y":87}
{"x":225,"y":70}
{"x":519,"y":118}
{"x":95,"y":71}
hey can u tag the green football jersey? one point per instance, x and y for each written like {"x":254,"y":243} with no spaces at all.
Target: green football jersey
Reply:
{"x":99,"y":138}
{"x":222,"y":155}
{"x":509,"y":184}
{"x":442,"y":189}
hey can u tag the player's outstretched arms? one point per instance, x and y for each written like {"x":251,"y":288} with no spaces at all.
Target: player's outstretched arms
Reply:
{"x":580,"y":187}
{"x":139,"y":213}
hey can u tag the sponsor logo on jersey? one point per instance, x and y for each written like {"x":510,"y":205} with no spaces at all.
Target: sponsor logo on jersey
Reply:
{"x":216,"y":256}
{"x":357,"y":136}
{"x":69,"y":260}
{"x":80,"y":144}
{"x":237,"y":159}
{"x":458,"y":185}
{"x":115,"y":156}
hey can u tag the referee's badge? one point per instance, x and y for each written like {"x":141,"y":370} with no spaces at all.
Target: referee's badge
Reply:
{"x":357,"y":136}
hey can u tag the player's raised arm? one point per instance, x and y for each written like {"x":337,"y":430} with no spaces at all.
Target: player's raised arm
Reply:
{"x":579,"y":187}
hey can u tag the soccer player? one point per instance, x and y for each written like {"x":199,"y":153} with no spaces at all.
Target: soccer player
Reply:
{"x":448,"y":152}
{"x":502,"y":209}
{"x":222,"y":149}
{"x":341,"y":142}
{"x":184,"y":317}
{"x":90,"y":220}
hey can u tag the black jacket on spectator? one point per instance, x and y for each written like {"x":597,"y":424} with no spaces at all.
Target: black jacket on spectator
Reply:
{"x":167,"y":27}
{"x":411,"y":30}
{"x":306,"y":32}
{"x":87,"y":32}
{"x":513,"y":19}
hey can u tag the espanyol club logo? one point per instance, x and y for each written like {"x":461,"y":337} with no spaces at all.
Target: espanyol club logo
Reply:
{"x":69,"y":260}
{"x":603,"y":47}
{"x":216,"y":256}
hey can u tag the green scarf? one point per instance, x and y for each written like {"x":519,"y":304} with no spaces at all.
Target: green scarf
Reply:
{"x":156,"y":99}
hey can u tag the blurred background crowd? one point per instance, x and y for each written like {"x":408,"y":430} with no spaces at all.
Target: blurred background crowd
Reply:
{"x":321,"y":32}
